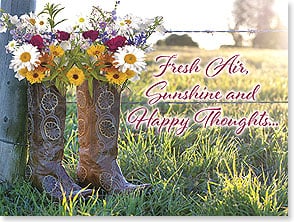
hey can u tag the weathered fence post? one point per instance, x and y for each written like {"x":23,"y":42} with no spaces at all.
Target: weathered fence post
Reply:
{"x":13,"y":105}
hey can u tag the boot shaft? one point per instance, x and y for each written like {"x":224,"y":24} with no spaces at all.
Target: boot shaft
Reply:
{"x":98,"y":123}
{"x":98,"y":119}
{"x":46,"y":116}
{"x":46,"y":122}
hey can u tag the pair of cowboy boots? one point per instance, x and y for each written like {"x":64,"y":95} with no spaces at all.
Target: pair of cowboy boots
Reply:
{"x":98,"y":125}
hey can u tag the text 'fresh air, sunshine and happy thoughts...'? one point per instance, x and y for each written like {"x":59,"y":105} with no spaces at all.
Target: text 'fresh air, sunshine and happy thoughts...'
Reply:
{"x":208,"y":116}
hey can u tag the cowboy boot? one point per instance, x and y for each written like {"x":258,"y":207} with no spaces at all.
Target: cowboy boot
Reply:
{"x":46,"y":116}
{"x":98,"y":125}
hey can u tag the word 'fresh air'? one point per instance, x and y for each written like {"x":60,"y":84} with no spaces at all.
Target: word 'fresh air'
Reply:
{"x":233,"y":65}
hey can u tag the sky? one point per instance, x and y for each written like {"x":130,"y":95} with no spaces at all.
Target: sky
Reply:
{"x":178,"y":15}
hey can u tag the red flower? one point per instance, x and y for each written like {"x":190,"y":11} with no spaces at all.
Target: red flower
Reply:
{"x":63,"y":36}
{"x":91,"y":34}
{"x":37,"y":41}
{"x":116,"y":42}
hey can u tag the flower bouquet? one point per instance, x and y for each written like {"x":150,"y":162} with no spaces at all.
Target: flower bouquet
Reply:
{"x":100,"y":54}
{"x":99,"y":46}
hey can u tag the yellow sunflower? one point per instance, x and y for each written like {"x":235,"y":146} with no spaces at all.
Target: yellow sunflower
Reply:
{"x":75,"y":76}
{"x":95,"y":50}
{"x":116,"y":77}
{"x":56,"y":50}
{"x":36,"y":75}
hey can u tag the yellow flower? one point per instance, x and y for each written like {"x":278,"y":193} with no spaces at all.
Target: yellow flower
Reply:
{"x":130,"y":73}
{"x":116,"y":77}
{"x":95,"y":50}
{"x":75,"y":76}
{"x":46,"y":60}
{"x":35,"y":76}
{"x":32,"y":21}
{"x":56,"y":50}
{"x":23,"y":72}
{"x":105,"y":60}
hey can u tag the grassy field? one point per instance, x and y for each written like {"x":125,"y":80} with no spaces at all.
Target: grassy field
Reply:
{"x":205,"y":171}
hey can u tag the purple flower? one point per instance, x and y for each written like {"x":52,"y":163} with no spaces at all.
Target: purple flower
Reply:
{"x":49,"y":38}
{"x":63,"y":36}
{"x":114,"y":33}
{"x":14,"y":34}
{"x":102,"y":25}
{"x":91,"y":34}
{"x":104,"y":37}
{"x":27,"y":36}
{"x":37,"y":41}
{"x":116,"y":42}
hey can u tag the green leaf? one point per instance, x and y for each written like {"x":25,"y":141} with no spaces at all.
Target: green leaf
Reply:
{"x":95,"y":75}
{"x":57,"y":23}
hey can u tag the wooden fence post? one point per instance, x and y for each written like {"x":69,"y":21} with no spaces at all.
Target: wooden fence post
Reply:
{"x":13,"y":105}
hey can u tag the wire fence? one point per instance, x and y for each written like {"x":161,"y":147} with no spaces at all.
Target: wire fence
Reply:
{"x":142,"y":103}
{"x":250,"y":31}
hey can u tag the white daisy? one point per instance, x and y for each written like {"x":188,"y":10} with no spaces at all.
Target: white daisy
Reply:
{"x":133,"y":21}
{"x":3,"y":22}
{"x":3,"y":28}
{"x":3,"y":17}
{"x":12,"y":46}
{"x":26,"y":56}
{"x":129,"y":23}
{"x":82,"y":21}
{"x":161,"y":29}
{"x":42,"y":23}
{"x":14,"y":19}
{"x":129,"y":57}
{"x":29,"y":19}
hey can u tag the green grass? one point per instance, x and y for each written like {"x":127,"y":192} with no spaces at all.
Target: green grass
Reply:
{"x":206,"y":171}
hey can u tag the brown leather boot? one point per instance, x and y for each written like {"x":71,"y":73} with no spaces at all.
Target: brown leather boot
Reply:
{"x":46,"y":117}
{"x":98,"y":125}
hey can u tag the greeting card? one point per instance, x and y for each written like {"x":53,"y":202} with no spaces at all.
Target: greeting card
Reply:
{"x":133,"y":108}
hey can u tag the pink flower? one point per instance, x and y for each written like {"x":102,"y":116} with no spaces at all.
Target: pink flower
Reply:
{"x":63,"y":36}
{"x":37,"y":41}
{"x":91,"y":34}
{"x":116,"y":42}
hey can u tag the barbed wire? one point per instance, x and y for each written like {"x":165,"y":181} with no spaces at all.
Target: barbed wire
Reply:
{"x":13,"y":143}
{"x":196,"y":102}
{"x":208,"y":102}
{"x":250,"y":31}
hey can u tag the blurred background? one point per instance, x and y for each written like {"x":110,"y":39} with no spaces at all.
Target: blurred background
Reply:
{"x":202,"y":15}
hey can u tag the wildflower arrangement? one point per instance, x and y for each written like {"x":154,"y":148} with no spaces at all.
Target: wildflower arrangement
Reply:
{"x":99,"y":46}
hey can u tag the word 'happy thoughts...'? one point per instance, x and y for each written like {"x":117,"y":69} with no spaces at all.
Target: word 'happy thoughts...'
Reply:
{"x":208,"y":116}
